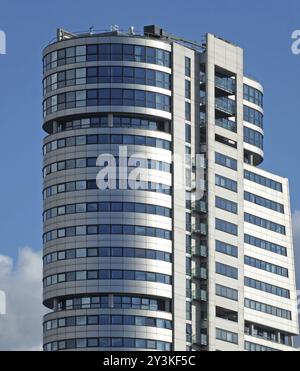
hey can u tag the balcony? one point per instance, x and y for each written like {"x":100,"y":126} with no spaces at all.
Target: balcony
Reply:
{"x":200,"y":340}
{"x":200,"y":295}
{"x":203,"y":101}
{"x":225,"y":105}
{"x":200,"y":251}
{"x":199,"y":161}
{"x":226,"y":84}
{"x":199,"y":229}
{"x":199,"y":207}
{"x":202,"y":77}
{"x":199,"y":273}
{"x":189,"y":338}
{"x":227,"y":124}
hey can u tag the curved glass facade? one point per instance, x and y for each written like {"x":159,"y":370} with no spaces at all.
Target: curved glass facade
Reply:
{"x":82,"y":163}
{"x":108,"y":229}
{"x":71,"y":194}
{"x":107,"y":252}
{"x":254,"y":138}
{"x":83,"y":140}
{"x":107,"y":97}
{"x":114,"y":302}
{"x":124,"y":122}
{"x":122,"y":275}
{"x":253,"y":95}
{"x":83,"y":185}
{"x":107,"y":75}
{"x":107,"y":52}
{"x":107,"y":320}
{"x":107,"y":343}
{"x":104,"y":207}
{"x":253,"y":116}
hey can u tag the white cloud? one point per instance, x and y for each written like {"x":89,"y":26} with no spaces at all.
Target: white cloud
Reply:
{"x":21,"y":327}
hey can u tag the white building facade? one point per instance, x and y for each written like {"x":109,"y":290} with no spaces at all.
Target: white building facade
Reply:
{"x":159,"y":268}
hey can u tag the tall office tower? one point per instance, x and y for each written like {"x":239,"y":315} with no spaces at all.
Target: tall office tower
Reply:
{"x":158,"y":267}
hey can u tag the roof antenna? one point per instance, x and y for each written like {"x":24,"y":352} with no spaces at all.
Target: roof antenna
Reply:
{"x":115,"y":28}
{"x":131,"y":31}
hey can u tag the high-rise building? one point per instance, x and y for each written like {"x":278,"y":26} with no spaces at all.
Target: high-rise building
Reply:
{"x":157,"y":267}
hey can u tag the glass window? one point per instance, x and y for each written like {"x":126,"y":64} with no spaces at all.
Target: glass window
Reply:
{"x":116,"y":320}
{"x":116,"y":275}
{"x":81,"y":276}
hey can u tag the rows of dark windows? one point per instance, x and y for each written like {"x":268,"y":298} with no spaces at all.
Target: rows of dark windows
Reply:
{"x":227,"y":292}
{"x":107,"y":97}
{"x":92,"y":275}
{"x":267,"y":333}
{"x":108,"y":252}
{"x":226,"y":183}
{"x":261,"y":332}
{"x":92,"y":230}
{"x":118,"y":207}
{"x":126,"y":343}
{"x":226,"y":205}
{"x":254,"y":138}
{"x":266,"y":182}
{"x":226,"y":270}
{"x":263,"y":223}
{"x":116,"y":302}
{"x":124,"y":122}
{"x":226,"y":161}
{"x":253,"y":95}
{"x":83,"y":163}
{"x":104,"y":139}
{"x":83,"y":185}
{"x":227,"y":227}
{"x":266,"y":287}
{"x":107,"y":75}
{"x":107,"y":52}
{"x":265,"y":245}
{"x":227,"y":336}
{"x":268,"y":267}
{"x":268,"y":309}
{"x":107,"y":320}
{"x":253,"y":116}
{"x":252,"y":347}
{"x":264,"y":202}
{"x":227,"y":249}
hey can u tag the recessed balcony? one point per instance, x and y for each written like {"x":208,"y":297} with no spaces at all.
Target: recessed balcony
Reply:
{"x":199,"y":207}
{"x":226,"y":84}
{"x":200,"y":273}
{"x":200,"y":295}
{"x":226,"y":106}
{"x":200,"y":251}
{"x":200,"y":340}
{"x":199,"y":229}
{"x":227,"y":124}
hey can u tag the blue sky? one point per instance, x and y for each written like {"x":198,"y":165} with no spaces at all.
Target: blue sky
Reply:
{"x":264,"y":32}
